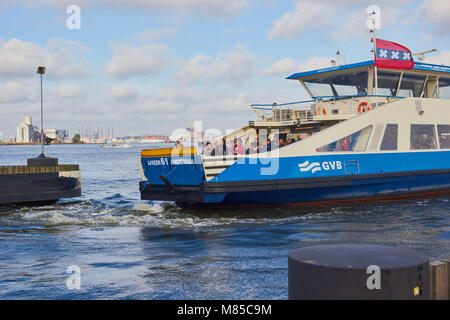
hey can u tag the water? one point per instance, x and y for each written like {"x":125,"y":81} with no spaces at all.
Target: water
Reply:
{"x":132,"y":249}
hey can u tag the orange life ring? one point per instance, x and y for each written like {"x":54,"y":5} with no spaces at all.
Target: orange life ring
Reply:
{"x":362,"y":107}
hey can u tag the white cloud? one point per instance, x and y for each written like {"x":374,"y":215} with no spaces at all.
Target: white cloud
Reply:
{"x":236,"y":65}
{"x":70,"y":90}
{"x":353,"y":25}
{"x":131,"y":61}
{"x":287,"y":66}
{"x":18,"y":91}
{"x":441,"y":58}
{"x":215,"y":107}
{"x":306,"y":15}
{"x":438,"y":13}
{"x":21,"y":58}
{"x":57,"y":43}
{"x":282,"y":66}
{"x":320,"y":14}
{"x":315,"y":63}
{"x":124,"y":91}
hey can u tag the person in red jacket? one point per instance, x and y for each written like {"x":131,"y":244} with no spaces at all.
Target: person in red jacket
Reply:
{"x":237,"y":147}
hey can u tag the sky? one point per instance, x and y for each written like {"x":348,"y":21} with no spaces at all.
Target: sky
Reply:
{"x":147,"y":66}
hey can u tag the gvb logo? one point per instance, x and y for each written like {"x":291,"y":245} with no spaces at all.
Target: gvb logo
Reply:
{"x":374,"y":280}
{"x":319,"y":166}
{"x":74,"y":281}
{"x":306,"y":166}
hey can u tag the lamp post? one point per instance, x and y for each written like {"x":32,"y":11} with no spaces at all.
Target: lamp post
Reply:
{"x":41,"y":71}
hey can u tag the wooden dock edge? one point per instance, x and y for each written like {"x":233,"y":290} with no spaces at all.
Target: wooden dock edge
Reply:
{"x":4,"y":170}
{"x":440,"y":279}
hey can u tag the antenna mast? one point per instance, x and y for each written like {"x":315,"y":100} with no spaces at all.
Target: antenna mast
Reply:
{"x":374,"y":23}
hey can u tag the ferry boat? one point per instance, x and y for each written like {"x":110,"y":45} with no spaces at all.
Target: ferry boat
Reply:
{"x":357,"y":143}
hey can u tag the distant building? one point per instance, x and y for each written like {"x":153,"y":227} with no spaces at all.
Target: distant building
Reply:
{"x":25,"y":132}
{"x":58,"y":134}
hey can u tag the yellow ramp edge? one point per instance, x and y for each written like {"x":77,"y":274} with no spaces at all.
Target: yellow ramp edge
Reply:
{"x":169,"y":152}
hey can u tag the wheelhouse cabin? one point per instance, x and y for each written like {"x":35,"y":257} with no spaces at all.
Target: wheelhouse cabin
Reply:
{"x":342,"y":92}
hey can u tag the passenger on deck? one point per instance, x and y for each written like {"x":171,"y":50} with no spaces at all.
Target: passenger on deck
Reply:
{"x":178,"y":144}
{"x":252,"y":149}
{"x":430,"y":142}
{"x":214,"y":148}
{"x":208,"y":148}
{"x":221,"y":148}
{"x":445,"y":141}
{"x":237,"y":147}
{"x":344,"y":145}
{"x":362,"y":91}
{"x":224,"y":147}
{"x":388,"y":144}
{"x":274,"y":144}
{"x":281,"y":143}
{"x":268,"y":144}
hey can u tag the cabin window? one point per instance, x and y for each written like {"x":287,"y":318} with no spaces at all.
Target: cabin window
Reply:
{"x":390,"y":139}
{"x":393,"y":84}
{"x":423,"y":137}
{"x":435,"y":93}
{"x":444,"y":88}
{"x":412,"y":84}
{"x":354,"y":142}
{"x":349,"y":84}
{"x":319,"y":89}
{"x":444,"y":136}
{"x":343,"y":90}
{"x":387,"y":83}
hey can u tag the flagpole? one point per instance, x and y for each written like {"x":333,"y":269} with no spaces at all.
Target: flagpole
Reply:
{"x":374,"y":59}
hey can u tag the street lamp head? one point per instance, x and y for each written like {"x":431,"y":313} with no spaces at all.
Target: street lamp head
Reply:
{"x":41,"y":70}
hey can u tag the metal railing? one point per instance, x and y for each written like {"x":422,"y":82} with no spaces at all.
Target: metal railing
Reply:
{"x":324,"y":107}
{"x":283,"y":112}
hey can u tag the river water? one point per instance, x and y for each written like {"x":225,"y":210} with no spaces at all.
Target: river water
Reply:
{"x":132,"y":249}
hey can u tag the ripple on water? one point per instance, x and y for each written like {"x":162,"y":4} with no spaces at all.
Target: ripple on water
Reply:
{"x":119,"y":210}
{"x":126,"y":213}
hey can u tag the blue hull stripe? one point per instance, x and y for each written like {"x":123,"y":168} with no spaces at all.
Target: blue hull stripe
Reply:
{"x":335,"y":165}
{"x":301,"y":179}
{"x":358,"y":189}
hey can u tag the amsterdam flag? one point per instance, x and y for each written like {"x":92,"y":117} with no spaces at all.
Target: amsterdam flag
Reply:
{"x":392,"y":55}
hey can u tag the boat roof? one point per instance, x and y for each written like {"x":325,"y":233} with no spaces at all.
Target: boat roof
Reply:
{"x":440,"y":70}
